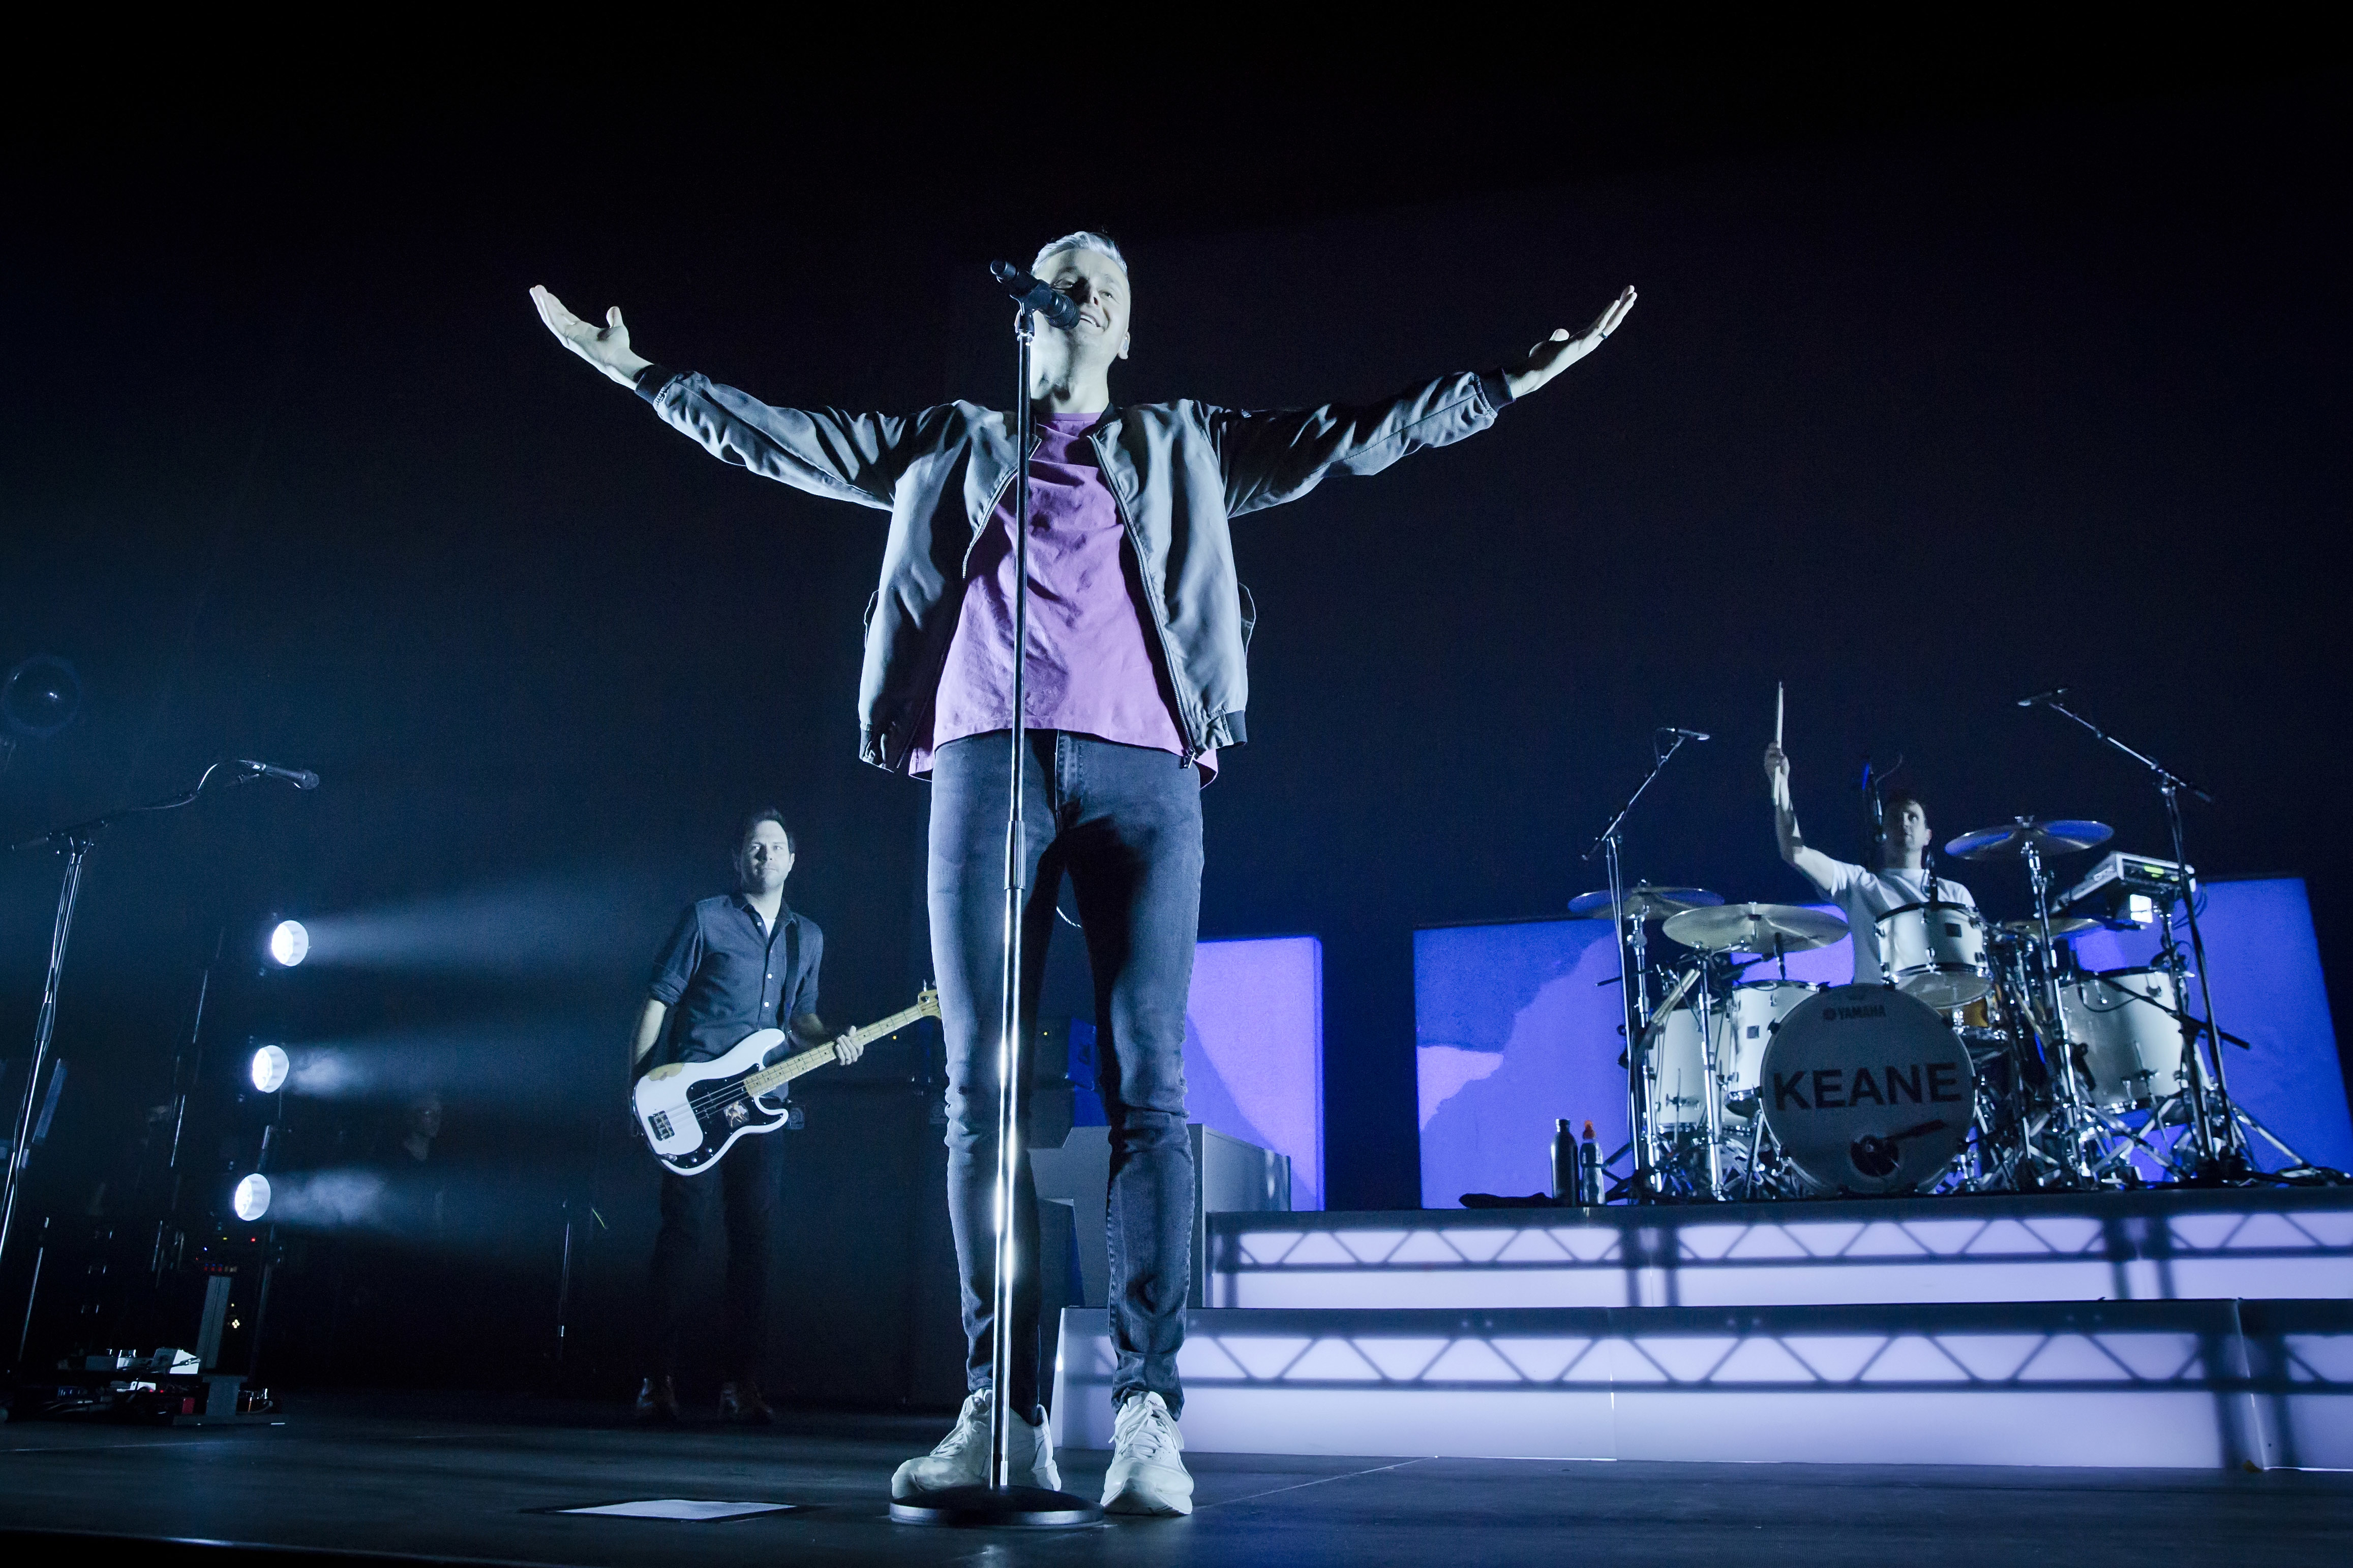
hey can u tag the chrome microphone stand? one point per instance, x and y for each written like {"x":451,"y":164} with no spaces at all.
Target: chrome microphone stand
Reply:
{"x":1634,"y":990}
{"x":2228,"y":1156}
{"x":999,"y":1503}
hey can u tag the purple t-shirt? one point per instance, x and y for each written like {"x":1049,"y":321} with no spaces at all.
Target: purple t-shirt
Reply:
{"x":1091,"y":671}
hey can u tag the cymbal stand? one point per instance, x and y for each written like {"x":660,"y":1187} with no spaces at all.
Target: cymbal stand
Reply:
{"x":1634,"y":992}
{"x":2071,"y":1102}
{"x":1710,"y":1085}
{"x":2229,"y":1150}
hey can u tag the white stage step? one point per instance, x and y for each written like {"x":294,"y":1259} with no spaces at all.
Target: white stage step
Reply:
{"x":2196,"y":1385}
{"x":2127,"y":1247}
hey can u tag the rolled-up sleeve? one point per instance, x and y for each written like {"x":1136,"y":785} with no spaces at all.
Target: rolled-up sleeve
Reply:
{"x":804,"y":997}
{"x":678,"y":958}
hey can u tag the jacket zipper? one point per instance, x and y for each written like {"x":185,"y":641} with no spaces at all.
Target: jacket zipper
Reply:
{"x":1196,"y":724}
{"x":931,"y":703}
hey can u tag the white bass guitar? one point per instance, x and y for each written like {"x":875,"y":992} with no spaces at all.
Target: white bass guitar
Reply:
{"x":692,"y":1112}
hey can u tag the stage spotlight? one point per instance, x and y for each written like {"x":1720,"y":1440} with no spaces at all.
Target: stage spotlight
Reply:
{"x":290,"y":943}
{"x":269,"y":1069}
{"x":251,"y":1199}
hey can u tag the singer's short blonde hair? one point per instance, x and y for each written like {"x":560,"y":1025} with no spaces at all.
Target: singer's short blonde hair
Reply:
{"x":1083,"y":239}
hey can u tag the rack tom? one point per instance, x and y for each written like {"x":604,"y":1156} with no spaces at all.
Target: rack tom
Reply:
{"x":1935,"y":952}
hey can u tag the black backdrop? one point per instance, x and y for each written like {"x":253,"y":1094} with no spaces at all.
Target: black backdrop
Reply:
{"x":1929,"y":403}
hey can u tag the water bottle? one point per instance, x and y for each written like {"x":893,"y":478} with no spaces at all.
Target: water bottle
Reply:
{"x":1589,"y":1169}
{"x":1564,"y":1162}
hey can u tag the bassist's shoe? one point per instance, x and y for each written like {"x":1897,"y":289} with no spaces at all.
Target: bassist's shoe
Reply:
{"x":961,"y":1458}
{"x":740,"y":1405}
{"x":656,"y":1403}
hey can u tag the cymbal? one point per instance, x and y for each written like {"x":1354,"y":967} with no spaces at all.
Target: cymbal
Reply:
{"x":1756,"y":928}
{"x":2061,"y":925}
{"x":1643,"y":899}
{"x":2062,"y":835}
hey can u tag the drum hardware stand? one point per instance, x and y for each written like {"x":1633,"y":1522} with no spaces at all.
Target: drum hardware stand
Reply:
{"x":2230,"y":1153}
{"x":2071,"y":1099}
{"x":1635,"y":995}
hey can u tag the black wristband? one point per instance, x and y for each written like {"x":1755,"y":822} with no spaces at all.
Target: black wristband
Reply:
{"x":652,"y":380}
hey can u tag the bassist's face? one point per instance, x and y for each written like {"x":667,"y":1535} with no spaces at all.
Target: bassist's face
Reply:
{"x":765,"y":860}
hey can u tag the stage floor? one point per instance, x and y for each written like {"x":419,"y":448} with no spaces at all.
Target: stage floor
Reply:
{"x":435,"y":1476}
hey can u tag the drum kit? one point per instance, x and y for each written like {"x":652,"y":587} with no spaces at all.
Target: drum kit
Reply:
{"x":1983,"y":1058}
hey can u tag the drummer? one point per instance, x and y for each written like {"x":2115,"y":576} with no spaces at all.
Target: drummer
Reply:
{"x":1862,"y":894}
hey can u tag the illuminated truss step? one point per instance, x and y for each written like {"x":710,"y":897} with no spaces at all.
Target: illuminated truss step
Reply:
{"x":2199,"y":1385}
{"x":2143,"y":1247}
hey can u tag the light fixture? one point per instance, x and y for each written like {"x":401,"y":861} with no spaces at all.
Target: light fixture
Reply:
{"x":251,"y":1199}
{"x":290,"y":943}
{"x":270,"y":1070}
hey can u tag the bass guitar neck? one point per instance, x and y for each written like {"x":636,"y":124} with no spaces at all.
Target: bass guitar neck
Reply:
{"x":926,"y":1007}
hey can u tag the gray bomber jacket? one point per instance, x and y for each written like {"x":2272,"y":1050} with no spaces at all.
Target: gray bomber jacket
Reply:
{"x":1177,"y":471}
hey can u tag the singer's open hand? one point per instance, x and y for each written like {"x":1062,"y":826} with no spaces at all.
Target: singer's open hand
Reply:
{"x":1561,"y":351}
{"x":606,"y":347}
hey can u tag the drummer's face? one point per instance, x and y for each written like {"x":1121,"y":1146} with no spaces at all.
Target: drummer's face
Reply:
{"x":1907,"y":829}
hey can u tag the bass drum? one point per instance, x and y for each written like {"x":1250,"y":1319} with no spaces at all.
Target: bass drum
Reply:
{"x":1867,"y":1090}
{"x":2131,"y":1046}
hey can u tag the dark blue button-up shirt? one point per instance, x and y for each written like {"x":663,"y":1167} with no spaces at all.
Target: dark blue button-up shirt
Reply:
{"x":724,"y":977}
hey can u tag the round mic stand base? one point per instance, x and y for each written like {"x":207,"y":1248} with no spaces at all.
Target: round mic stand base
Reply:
{"x":982,"y":1507}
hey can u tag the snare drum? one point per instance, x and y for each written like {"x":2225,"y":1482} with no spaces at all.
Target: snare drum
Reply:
{"x":1867,"y":1090}
{"x":2131,"y":1046}
{"x":1935,"y":952}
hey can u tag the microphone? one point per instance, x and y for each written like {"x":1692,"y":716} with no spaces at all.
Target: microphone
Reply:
{"x":2041,"y":696}
{"x":1686,"y":734}
{"x":301,"y":778}
{"x":1048,"y":302}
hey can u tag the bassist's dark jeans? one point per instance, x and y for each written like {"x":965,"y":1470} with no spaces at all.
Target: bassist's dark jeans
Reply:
{"x":746,"y":1186}
{"x":1124,"y":824}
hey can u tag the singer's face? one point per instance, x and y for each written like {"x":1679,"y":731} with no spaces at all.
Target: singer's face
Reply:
{"x":1100,"y":289}
{"x":765,"y":858}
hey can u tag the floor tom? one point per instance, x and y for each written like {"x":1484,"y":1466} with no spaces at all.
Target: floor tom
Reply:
{"x":2130,"y":1044}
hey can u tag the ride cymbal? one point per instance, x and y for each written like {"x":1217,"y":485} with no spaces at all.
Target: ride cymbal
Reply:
{"x":2062,"y":835}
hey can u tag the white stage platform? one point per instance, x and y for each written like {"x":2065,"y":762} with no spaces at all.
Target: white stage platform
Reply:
{"x":2195,"y":1330}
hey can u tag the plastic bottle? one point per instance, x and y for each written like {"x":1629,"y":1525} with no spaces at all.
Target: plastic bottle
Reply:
{"x":1589,"y":1169}
{"x":1564,"y":1162}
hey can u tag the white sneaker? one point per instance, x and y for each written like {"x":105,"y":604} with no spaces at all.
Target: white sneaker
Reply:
{"x":961,"y":1458}
{"x":1147,"y":1471}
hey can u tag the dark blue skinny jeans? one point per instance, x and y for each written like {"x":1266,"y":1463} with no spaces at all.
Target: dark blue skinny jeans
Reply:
{"x":1124,"y":824}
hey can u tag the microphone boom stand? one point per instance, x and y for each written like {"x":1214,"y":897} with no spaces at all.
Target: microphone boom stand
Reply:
{"x":1634,"y":990}
{"x":75,"y":842}
{"x":2230,"y":1152}
{"x":998,"y":1503}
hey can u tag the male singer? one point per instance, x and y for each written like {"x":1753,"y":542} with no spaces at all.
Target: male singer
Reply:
{"x":1136,"y":679}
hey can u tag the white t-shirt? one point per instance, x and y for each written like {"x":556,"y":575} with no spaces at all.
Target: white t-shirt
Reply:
{"x":1863,"y":895}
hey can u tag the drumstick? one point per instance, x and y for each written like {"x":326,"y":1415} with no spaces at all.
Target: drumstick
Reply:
{"x":1778,"y":693}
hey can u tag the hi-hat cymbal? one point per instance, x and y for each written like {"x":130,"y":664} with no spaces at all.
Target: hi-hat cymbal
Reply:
{"x":2059,"y":837}
{"x":2061,"y":925}
{"x":1644,"y":900}
{"x":1756,"y":928}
